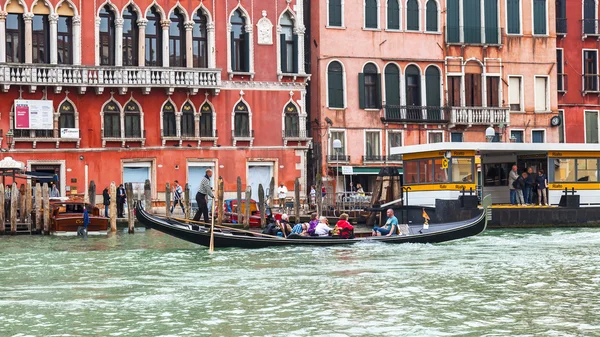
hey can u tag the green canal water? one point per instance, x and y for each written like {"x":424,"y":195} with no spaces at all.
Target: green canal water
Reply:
{"x":502,"y":283}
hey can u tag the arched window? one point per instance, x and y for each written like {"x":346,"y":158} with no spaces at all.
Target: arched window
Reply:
{"x":393,"y":14}
{"x":432,"y":92}
{"x":241,"y":120}
{"x":168,"y":116}
{"x":176,"y":40}
{"x":206,"y":121}
{"x":132,"y":120}
{"x":15,"y":38}
{"x":371,"y":14}
{"x":153,"y":38}
{"x":473,"y":89}
{"x":289,"y":45}
{"x":112,"y":120}
{"x":67,"y":116}
{"x":392,"y":86}
{"x":369,"y":83}
{"x":65,"y":40}
{"x":130,"y":37}
{"x":432,"y":16}
{"x":292,"y":121}
{"x":188,"y":128}
{"x":412,"y":15}
{"x":199,"y":40}
{"x":107,"y":36}
{"x":335,"y":85}
{"x":413,"y":86}
{"x":41,"y":33}
{"x":240,"y":43}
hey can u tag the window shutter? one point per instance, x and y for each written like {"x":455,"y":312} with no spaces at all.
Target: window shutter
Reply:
{"x":232,"y":50}
{"x":393,"y":15}
{"x":472,"y":21}
{"x":371,"y":14}
{"x":378,"y":86}
{"x":591,"y":127}
{"x":283,"y":57}
{"x":246,"y":51}
{"x":469,"y":90}
{"x":412,"y":15}
{"x":295,"y":56}
{"x":589,"y":16}
{"x":392,"y":88}
{"x":361,"y":90}
{"x":539,"y":17}
{"x":432,"y":20}
{"x":335,"y":13}
{"x":476,"y":90}
{"x":452,"y":18}
{"x":513,"y":10}
{"x":491,"y":21}
{"x":492,"y":91}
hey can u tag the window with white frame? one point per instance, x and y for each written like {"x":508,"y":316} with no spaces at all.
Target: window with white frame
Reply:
{"x":541,"y":94}
{"x":341,"y":136}
{"x":516,"y":136}
{"x":456,"y":137}
{"x":435,"y":137}
{"x":335,"y":11}
{"x":590,"y":70}
{"x":371,"y":14}
{"x":393,"y":14}
{"x":372,"y":145}
{"x":394,"y":139}
{"x":591,"y":127}
{"x":514,"y":93}
{"x":288,"y":44}
{"x":538,"y":136}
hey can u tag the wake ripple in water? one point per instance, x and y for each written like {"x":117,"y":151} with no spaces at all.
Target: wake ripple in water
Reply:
{"x":503,"y":283}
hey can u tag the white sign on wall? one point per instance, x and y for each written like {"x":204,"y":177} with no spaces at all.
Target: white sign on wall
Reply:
{"x":347,"y":170}
{"x":69,"y":133}
{"x":34,"y":115}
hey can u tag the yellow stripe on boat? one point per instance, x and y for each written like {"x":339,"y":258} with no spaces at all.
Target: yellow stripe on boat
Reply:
{"x":442,"y":187}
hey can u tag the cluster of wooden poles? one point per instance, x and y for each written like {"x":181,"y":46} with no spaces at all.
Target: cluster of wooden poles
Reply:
{"x":35,"y":213}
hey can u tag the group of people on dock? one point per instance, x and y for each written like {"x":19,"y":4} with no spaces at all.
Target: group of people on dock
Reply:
{"x":522,"y":186}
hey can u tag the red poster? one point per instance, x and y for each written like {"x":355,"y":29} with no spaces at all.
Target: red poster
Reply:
{"x":22,"y":116}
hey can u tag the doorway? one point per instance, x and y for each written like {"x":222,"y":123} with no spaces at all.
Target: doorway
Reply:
{"x":46,"y":174}
{"x":260,"y":173}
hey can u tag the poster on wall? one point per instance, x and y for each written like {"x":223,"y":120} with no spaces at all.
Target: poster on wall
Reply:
{"x":34,"y":114}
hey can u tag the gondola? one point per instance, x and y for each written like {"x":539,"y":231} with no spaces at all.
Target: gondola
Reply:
{"x":199,"y":234}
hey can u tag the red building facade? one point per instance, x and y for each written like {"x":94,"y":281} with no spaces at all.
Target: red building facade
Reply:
{"x":158,"y":90}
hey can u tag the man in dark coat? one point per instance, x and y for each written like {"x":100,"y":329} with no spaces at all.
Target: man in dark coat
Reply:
{"x":106,"y":197}
{"x":121,"y":197}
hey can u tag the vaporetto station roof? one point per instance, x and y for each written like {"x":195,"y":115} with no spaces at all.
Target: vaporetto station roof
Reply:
{"x":497,"y":148}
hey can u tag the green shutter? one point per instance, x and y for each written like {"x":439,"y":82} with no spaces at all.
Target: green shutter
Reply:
{"x":539,"y":17}
{"x":335,"y":88}
{"x":591,"y":127}
{"x":232,"y":44}
{"x":283,"y":50}
{"x":432,"y":87}
{"x":491,"y":21}
{"x":295,"y":56}
{"x":392,"y":85}
{"x":452,"y":20}
{"x":412,"y":15}
{"x":371,"y":14}
{"x":246,"y":58}
{"x":472,"y":21}
{"x":432,"y":16}
{"x":335,"y":13}
{"x":513,"y":16}
{"x":361,"y":90}
{"x":378,"y":86}
{"x":393,"y":15}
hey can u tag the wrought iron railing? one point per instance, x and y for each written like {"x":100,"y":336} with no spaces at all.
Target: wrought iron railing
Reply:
{"x":373,"y":158}
{"x":340,"y":158}
{"x":415,"y":114}
{"x":561,"y":26}
{"x":590,"y":83}
{"x":474,"y":35}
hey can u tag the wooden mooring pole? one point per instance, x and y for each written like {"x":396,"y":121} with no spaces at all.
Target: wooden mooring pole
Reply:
{"x":168,"y":200}
{"x":2,"y":218}
{"x":219,"y":201}
{"x":28,"y":205}
{"x":92,"y":193}
{"x":297,"y":201}
{"x":239,"y":200}
{"x":46,"y":208}
{"x":186,"y":201}
{"x":130,"y":202}
{"x":39,"y":212}
{"x":319,"y":194}
{"x":112,"y":211}
{"x":272,"y":192}
{"x":22,"y":202}
{"x":247,"y":207}
{"x":14,"y":202}
{"x":261,"y":205}
{"x":148,"y":196}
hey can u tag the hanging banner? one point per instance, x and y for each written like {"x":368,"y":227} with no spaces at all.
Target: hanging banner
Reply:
{"x":34,"y":115}
{"x":69,"y":133}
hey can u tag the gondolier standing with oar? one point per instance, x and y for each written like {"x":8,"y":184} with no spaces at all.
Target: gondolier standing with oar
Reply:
{"x":204,"y":191}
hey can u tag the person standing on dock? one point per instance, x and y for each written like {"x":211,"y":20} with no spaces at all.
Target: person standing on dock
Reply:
{"x":282,"y":194}
{"x":106,"y":197}
{"x":203,"y":192}
{"x":121,"y":197}
{"x":54,"y":192}
{"x":177,"y":195}
{"x":519,"y":185}
{"x":512,"y":177}
{"x":542,"y":184}
{"x":528,"y":189}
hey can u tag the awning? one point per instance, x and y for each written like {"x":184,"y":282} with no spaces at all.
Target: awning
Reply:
{"x":367,"y":170}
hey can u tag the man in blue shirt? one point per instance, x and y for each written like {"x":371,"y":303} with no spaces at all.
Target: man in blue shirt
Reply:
{"x":390,"y":225}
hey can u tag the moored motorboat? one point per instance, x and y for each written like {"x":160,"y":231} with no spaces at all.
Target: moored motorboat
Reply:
{"x":67,"y":216}
{"x":200,"y":234}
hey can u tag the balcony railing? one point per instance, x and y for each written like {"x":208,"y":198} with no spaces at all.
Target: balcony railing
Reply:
{"x":562,"y":83}
{"x":394,"y":157}
{"x":590,"y":83}
{"x":117,"y":77}
{"x":414,"y":114}
{"x":493,"y":36}
{"x":479,"y":116}
{"x":589,"y":27}
{"x":242,"y":136}
{"x":373,"y":158}
{"x":561,"y":26}
{"x":294,"y":133}
{"x":340,"y":158}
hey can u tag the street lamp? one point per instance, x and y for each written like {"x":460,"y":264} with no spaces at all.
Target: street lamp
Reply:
{"x":9,"y":139}
{"x":337,"y":145}
{"x":490,"y":134}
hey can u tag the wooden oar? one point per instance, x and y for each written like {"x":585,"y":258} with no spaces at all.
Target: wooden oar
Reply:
{"x":211,"y":246}
{"x":220,"y":226}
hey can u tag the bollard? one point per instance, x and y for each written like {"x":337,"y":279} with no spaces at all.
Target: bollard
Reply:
{"x":46,"y":208}
{"x":2,"y":218}
{"x":38,"y":208}
{"x":261,"y":205}
{"x":239,"y":200}
{"x":247,"y":207}
{"x":297,"y":201}
{"x":168,"y":200}
{"x":219,"y":201}
{"x":130,"y":211}
{"x":113,"y":207}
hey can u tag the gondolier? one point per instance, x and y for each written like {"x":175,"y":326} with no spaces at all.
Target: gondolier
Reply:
{"x":201,"y":197}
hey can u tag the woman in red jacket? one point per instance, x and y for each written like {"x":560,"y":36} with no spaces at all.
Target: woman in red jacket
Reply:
{"x":344,"y":228}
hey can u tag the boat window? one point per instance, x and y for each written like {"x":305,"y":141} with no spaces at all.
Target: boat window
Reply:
{"x":564,"y":170}
{"x":587,"y":170}
{"x":425,"y":171}
{"x":440,"y":175}
{"x":462,"y":170}
{"x":496,"y":174}
{"x":411,"y":174}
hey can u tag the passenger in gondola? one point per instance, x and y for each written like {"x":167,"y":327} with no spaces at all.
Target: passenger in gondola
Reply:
{"x":284,"y":225}
{"x":300,"y":229}
{"x":323,"y":228}
{"x":312,"y":224}
{"x":390,"y":225}
{"x":343,"y":228}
